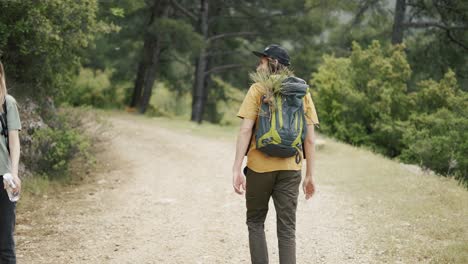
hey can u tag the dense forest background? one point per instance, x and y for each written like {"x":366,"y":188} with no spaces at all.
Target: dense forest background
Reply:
{"x":389,"y":75}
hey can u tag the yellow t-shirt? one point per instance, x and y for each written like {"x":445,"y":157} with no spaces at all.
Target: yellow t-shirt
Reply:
{"x":257,"y":160}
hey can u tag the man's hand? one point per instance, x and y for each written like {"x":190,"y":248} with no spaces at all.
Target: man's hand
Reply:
{"x":238,"y":181}
{"x":17,"y":182}
{"x":308,"y":187}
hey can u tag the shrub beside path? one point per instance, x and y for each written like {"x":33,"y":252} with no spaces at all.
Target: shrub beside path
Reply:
{"x":164,"y":195}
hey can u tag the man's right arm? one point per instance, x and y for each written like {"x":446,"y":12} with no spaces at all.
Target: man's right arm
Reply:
{"x":243,"y":139}
{"x":248,"y":112}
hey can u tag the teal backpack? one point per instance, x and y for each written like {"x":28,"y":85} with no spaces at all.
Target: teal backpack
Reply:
{"x":281,"y":127}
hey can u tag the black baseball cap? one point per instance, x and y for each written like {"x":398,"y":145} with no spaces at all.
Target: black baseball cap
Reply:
{"x":275,"y":52}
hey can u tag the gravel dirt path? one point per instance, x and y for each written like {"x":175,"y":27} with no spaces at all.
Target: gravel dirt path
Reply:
{"x":165,"y":196}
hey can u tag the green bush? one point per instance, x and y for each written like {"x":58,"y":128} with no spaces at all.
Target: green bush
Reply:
{"x":42,"y":41}
{"x":364,"y":100}
{"x":169,"y":103}
{"x":436,"y":133}
{"x":437,"y":141}
{"x":94,"y":88}
{"x":224,"y":102}
{"x":221,"y":108}
{"x":57,"y":145}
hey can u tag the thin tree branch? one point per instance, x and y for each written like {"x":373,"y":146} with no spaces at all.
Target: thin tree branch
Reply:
{"x":221,"y":53}
{"x":456,"y":41}
{"x":418,"y":5}
{"x":415,"y":14}
{"x":365,"y":6}
{"x":214,"y":19}
{"x":186,"y":12}
{"x":173,"y":56}
{"x":434,"y":24}
{"x":246,"y":13}
{"x":247,"y":16}
{"x":449,"y":32}
{"x":439,"y":4}
{"x":233,"y":34}
{"x":222,"y":68}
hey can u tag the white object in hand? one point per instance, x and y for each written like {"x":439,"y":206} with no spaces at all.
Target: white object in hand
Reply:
{"x":9,"y":186}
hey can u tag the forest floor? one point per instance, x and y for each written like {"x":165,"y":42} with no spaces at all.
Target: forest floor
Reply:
{"x":162,"y":193}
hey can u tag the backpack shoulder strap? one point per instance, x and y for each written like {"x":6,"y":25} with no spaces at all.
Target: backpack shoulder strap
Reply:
{"x":4,"y":121}
{"x":254,"y":127}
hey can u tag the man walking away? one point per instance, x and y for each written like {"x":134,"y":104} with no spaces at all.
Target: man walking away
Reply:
{"x":277,"y":133}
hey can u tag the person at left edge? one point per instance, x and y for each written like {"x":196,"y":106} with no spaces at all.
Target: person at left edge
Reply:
{"x":9,"y":159}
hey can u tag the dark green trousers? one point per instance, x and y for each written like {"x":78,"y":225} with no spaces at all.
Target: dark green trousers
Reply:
{"x":283,"y":186}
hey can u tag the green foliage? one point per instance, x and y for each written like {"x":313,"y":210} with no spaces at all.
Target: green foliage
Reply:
{"x":433,"y":95}
{"x":224,"y":110}
{"x":176,"y":34}
{"x":118,"y":12}
{"x":438,"y":141}
{"x":169,"y":102}
{"x":94,"y":88}
{"x":42,"y":40}
{"x":57,"y":145}
{"x":436,"y":49}
{"x":436,"y":133}
{"x":432,"y":48}
{"x":120,"y":52}
{"x":364,"y":100}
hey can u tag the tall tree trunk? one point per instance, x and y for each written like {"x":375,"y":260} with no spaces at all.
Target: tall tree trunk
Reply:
{"x":210,"y":111}
{"x":398,"y":22}
{"x":199,"y":94}
{"x":147,"y":67}
{"x":194,"y":93}
{"x":139,"y":81}
{"x":150,"y":77}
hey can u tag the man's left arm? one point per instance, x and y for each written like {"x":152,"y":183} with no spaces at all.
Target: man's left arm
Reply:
{"x":248,"y":112}
{"x":309,"y":146}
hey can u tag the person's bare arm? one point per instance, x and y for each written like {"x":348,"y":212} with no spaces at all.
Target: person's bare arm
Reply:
{"x":309,"y":147}
{"x":14,"y":144}
{"x":243,"y":139}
